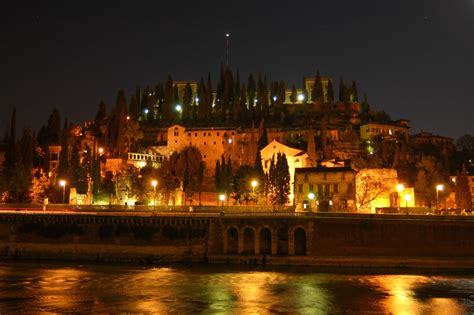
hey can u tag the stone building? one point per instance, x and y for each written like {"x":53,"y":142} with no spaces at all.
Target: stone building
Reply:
{"x":325,"y":189}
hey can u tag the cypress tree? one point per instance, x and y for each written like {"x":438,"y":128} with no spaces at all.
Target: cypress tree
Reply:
{"x":354,"y":93}
{"x":251,"y":92}
{"x":293,"y":95}
{"x":63,"y":168}
{"x":342,"y":90}
{"x":209,"y":97}
{"x":330,"y":92}
{"x":168,"y":100}
{"x":187,"y":100}
{"x":263,"y":139}
{"x":54,"y":127}
{"x":217,"y":177}
{"x":133,"y":108}
{"x":202,"y":106}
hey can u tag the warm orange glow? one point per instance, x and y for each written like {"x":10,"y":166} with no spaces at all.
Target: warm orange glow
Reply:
{"x":62,"y":183}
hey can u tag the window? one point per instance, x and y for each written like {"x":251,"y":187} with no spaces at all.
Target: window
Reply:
{"x":204,"y":156}
{"x":324,"y":176}
{"x":300,"y":188}
{"x":209,"y":134}
{"x":195,"y":134}
{"x":335,"y":188}
{"x":218,"y":133}
{"x":189,"y":134}
{"x":350,"y":188}
{"x":320,"y":190}
{"x":327,"y":190}
{"x":214,"y":143}
{"x":204,"y":134}
{"x":204,"y":142}
{"x":305,"y":176}
{"x":311,"y":187}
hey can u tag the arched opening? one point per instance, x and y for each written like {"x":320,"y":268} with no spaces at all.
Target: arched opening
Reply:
{"x":300,"y":242}
{"x":265,"y":241}
{"x":232,"y":241}
{"x":282,"y":241}
{"x":249,"y":241}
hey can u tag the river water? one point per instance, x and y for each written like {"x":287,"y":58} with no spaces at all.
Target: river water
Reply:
{"x":61,"y":287}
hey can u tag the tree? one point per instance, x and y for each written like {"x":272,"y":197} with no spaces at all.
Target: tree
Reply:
{"x":54,"y":127}
{"x":369,"y":187}
{"x":187,"y":100}
{"x":293,"y":95}
{"x":317,"y":94}
{"x":108,"y":186}
{"x":429,"y":174}
{"x":263,"y":139}
{"x":463,"y":192}
{"x":188,"y":167}
{"x":354,"y":94}
{"x":63,"y":167}
{"x":167,"y":111}
{"x":242,"y":184}
{"x":330,"y":92}
{"x":279,"y":180}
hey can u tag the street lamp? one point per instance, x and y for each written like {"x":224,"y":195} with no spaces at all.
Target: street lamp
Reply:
{"x":222,"y":198}
{"x":407,"y":199}
{"x":154,"y":183}
{"x":439,"y":188}
{"x":254,"y":184}
{"x":310,"y":197}
{"x":62,"y":183}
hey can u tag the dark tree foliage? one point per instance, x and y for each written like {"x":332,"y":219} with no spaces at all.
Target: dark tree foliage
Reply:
{"x":54,"y":127}
{"x":187,"y":101}
{"x":354,"y":94}
{"x":293,"y":95}
{"x":279,"y":180}
{"x":167,"y":111}
{"x":63,"y":168}
{"x":462,"y":189}
{"x":330,"y":92}
{"x":263,"y":140}
{"x":242,"y":189}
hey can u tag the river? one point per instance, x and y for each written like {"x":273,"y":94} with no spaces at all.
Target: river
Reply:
{"x":63,"y":287}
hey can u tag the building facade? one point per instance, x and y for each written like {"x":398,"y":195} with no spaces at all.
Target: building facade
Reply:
{"x":325,"y":189}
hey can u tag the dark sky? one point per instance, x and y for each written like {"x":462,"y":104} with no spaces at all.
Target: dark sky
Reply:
{"x":414,"y":58}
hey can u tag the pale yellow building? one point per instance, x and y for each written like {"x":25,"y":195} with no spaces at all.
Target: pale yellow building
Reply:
{"x":398,"y":129}
{"x":325,"y":189}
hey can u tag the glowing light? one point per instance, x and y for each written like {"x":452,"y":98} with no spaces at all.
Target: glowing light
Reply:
{"x":62,"y":183}
{"x":440,"y":187}
{"x":227,"y":35}
{"x":178,"y":108}
{"x":101,"y":150}
{"x":222,"y":197}
{"x":154,"y":183}
{"x":300,"y":97}
{"x":275,"y":98}
{"x":400,"y":187}
{"x":197,"y":99}
{"x":311,"y":196}
{"x":254,"y":183}
{"x":145,"y":110}
{"x":128,"y":117}
{"x":407,"y":197}
{"x":229,"y":141}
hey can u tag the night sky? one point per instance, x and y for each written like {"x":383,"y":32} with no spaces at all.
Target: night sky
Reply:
{"x":413,"y":58}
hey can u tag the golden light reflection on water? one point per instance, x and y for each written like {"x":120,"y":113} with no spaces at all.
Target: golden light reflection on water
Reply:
{"x":225,"y":289}
{"x":401,"y":296}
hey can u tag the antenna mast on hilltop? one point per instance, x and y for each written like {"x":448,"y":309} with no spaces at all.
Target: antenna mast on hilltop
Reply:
{"x":227,"y":43}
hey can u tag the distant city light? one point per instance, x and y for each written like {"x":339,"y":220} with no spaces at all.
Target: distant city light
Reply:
{"x":128,"y":117}
{"x":274,"y":98}
{"x":222,"y":197}
{"x":230,"y":141}
{"x":311,"y":196}
{"x":197,"y":99}
{"x":227,"y":35}
{"x":400,"y":187}
{"x":62,"y":183}
{"x":145,"y":111}
{"x":101,"y":150}
{"x":149,"y":94}
{"x":440,"y":187}
{"x":178,"y":108}
{"x":300,"y":97}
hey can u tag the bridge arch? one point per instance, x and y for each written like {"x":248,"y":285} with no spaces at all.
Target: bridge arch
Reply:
{"x":265,"y":240}
{"x":232,"y":237}
{"x":248,"y":240}
{"x":299,"y":241}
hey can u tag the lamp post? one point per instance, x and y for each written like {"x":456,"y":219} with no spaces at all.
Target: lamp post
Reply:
{"x":407,"y":199}
{"x":154,"y":183}
{"x":62,"y":183}
{"x":222,"y":198}
{"x":254,"y":184}
{"x":310,"y":197}
{"x":439,"y":188}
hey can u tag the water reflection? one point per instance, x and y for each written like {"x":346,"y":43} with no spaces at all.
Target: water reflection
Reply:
{"x":223,"y":289}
